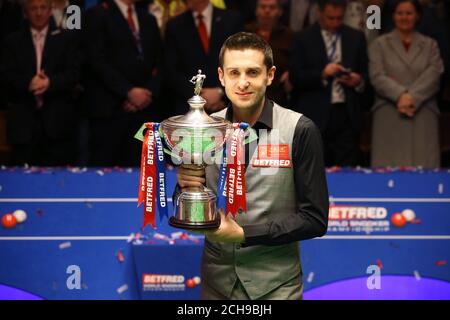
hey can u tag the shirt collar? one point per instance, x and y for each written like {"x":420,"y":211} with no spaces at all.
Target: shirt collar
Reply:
{"x":206,"y":13}
{"x":35,"y":32}
{"x":265,"y":118}
{"x":123,"y":7}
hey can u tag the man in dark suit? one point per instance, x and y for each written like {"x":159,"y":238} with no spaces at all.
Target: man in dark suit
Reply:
{"x":193,"y":42}
{"x":329,"y":73}
{"x":40,"y":70}
{"x":124,"y":53}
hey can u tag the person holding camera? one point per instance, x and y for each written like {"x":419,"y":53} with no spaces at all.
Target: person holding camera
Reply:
{"x":329,"y":74}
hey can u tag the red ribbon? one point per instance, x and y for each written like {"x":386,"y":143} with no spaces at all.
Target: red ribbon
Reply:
{"x":147,"y":188}
{"x":236,"y":173}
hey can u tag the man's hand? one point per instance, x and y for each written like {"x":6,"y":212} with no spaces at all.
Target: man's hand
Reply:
{"x":140,"y":97}
{"x":229,"y":231}
{"x":351,"y":80}
{"x":331,"y":69}
{"x":190,"y":176}
{"x":284,"y":79}
{"x":129,"y":107}
{"x":213,"y":97}
{"x":39,"y":84}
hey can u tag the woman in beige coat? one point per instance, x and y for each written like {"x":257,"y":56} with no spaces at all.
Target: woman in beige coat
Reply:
{"x":405,"y":68}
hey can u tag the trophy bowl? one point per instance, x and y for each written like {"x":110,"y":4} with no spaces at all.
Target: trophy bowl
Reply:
{"x":195,"y":139}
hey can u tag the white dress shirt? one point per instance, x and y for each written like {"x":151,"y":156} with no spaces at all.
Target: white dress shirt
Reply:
{"x":207,"y":14}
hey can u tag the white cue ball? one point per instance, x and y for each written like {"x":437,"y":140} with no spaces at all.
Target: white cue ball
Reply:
{"x":409,"y":215}
{"x":196,"y":280}
{"x":20,"y":216}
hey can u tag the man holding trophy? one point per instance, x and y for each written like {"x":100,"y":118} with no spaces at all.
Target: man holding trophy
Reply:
{"x":255,"y":254}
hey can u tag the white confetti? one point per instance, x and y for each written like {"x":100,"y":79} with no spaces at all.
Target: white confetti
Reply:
{"x":1,"y":188}
{"x":100,"y":172}
{"x":122,"y":289}
{"x":310,"y":277}
{"x":417,"y":275}
{"x":176,"y":235}
{"x":130,"y":238}
{"x":391,"y":183}
{"x":440,"y":188}
{"x":65,"y":245}
{"x":129,"y":170}
{"x":159,"y":236}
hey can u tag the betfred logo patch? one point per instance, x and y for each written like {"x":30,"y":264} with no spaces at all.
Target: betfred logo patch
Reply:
{"x":273,"y":155}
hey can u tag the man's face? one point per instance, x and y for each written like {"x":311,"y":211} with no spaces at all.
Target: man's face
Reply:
{"x":405,"y":16}
{"x":331,"y":18}
{"x":268,"y":12}
{"x":245,"y":77}
{"x":38,"y":13}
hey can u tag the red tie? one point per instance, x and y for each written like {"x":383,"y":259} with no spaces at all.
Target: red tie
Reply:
{"x":203,"y":33}
{"x":130,"y":19}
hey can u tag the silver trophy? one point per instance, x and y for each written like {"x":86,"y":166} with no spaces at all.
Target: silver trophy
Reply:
{"x":195,"y":139}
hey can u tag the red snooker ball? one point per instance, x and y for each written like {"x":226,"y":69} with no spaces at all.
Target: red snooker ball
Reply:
{"x":190,"y":283}
{"x":9,"y":221}
{"x":398,"y":220}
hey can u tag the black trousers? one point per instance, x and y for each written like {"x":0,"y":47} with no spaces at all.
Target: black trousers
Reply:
{"x":43,"y":150}
{"x":341,"y":143}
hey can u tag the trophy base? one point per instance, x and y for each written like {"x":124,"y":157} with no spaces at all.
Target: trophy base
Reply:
{"x":210,"y":225}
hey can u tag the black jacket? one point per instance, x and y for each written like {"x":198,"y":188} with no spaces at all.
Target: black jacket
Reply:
{"x":60,"y":61}
{"x":309,"y":58}
{"x":184,"y":54}
{"x":114,"y":64}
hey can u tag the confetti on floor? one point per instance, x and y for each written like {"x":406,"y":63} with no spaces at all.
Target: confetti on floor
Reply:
{"x":417,"y":275}
{"x":65,"y":245}
{"x":310,"y":277}
{"x":441,"y":263}
{"x":100,"y":172}
{"x":441,"y":188}
{"x":122,"y":289}
{"x":391,"y":183}
{"x":130,"y":237}
{"x":120,"y":256}
{"x":379,"y":264}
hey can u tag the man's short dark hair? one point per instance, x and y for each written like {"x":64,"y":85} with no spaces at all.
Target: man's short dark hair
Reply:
{"x":335,"y":3}
{"x":247,"y":40}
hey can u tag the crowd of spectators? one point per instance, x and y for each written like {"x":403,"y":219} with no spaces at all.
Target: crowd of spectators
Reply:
{"x":78,"y":96}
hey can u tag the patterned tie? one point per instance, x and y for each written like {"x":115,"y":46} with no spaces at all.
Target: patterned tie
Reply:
{"x":334,"y":55}
{"x":203,"y":32}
